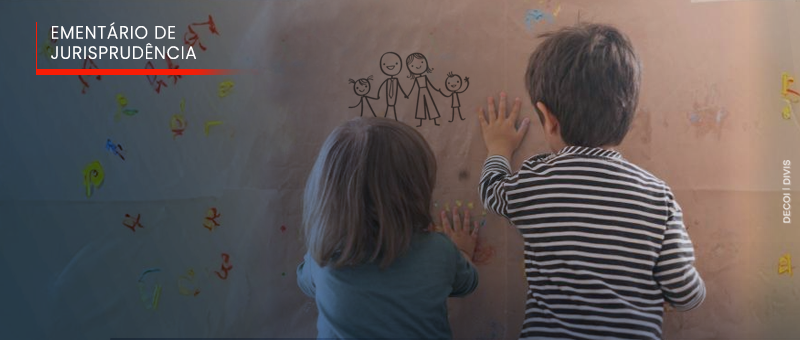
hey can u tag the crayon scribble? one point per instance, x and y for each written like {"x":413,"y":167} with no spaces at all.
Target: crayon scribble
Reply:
{"x":132,"y":223}
{"x":785,"y":265}
{"x":210,"y":221}
{"x":93,"y":176}
{"x":149,"y":296}
{"x":534,"y":16}
{"x":177,"y":125}
{"x":786,"y":91}
{"x":115,"y":149}
{"x":211,"y":123}
{"x":225,"y":88}
{"x":186,"y":284}
{"x":225,"y":260}
{"x":193,"y":38}
{"x":155,"y":83}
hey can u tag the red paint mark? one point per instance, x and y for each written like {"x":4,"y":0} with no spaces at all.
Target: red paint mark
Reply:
{"x":173,"y":66}
{"x":283,"y":228}
{"x":132,"y":223}
{"x":225,"y":260}
{"x":195,"y":38}
{"x":154,"y":81}
{"x":211,"y":216}
{"x":88,"y":64}
{"x":483,"y":253}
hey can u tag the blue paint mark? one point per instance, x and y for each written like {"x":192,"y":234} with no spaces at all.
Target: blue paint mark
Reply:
{"x":534,"y":16}
{"x":694,"y":117}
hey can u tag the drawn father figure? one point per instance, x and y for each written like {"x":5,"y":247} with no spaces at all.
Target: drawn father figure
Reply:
{"x":391,"y":66}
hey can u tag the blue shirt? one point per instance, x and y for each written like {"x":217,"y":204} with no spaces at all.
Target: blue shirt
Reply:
{"x":408,"y":299}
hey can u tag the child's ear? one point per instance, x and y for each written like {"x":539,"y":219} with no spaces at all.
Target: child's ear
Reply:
{"x":550,"y":123}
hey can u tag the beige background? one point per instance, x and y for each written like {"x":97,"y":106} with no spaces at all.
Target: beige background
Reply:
{"x":708,"y":123}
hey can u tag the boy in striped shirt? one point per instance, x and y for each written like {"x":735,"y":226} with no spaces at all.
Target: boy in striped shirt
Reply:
{"x":605,"y":244}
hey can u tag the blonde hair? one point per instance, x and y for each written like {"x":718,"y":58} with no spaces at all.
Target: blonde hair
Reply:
{"x":368,"y":193}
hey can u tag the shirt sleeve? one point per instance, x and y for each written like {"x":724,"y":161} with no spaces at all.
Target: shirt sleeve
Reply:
{"x":494,"y":180}
{"x":466,"y":278}
{"x":305,"y":279}
{"x":675,"y":273}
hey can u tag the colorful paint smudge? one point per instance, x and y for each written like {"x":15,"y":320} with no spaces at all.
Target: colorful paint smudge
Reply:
{"x":785,"y":265}
{"x":177,"y":125}
{"x":225,"y":88}
{"x":211,"y":123}
{"x":225,"y":260}
{"x":149,"y":296}
{"x":132,"y":223}
{"x":186,"y":284}
{"x":115,"y":149}
{"x":93,"y":177}
{"x":210,"y":221}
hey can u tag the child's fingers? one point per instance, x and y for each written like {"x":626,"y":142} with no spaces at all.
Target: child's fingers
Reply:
{"x":475,"y":229}
{"x":492,"y":113}
{"x":523,"y":128}
{"x":456,"y":220}
{"x":481,"y":117}
{"x":466,"y":220}
{"x":445,"y":222}
{"x":515,"y":110}
{"x":501,"y":113}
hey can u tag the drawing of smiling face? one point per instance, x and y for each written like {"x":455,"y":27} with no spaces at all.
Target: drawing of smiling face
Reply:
{"x":361,"y":88}
{"x":418,"y":66}
{"x":453,"y":83}
{"x":391,"y":64}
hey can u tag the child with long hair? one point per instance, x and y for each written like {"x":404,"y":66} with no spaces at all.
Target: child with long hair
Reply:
{"x":374,"y":267}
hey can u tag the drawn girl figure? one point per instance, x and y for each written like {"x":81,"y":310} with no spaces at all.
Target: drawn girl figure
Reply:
{"x":453,"y":84}
{"x":361,"y":87}
{"x":418,"y":67}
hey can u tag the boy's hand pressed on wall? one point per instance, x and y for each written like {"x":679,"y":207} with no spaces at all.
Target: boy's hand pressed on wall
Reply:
{"x":460,"y":233}
{"x":500,"y":132}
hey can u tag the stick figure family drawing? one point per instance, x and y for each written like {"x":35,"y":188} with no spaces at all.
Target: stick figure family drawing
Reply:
{"x":391,"y":64}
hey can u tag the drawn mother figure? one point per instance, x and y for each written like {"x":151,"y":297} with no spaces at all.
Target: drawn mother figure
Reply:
{"x":417,"y":69}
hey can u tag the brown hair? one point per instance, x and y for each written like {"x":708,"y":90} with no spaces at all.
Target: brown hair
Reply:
{"x":368,"y":193}
{"x":588,"y":75}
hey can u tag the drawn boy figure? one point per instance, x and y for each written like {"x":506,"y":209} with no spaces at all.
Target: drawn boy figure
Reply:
{"x":391,"y":64}
{"x":453,"y":84}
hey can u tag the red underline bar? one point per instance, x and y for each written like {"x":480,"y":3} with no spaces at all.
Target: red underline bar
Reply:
{"x":133,"y":72}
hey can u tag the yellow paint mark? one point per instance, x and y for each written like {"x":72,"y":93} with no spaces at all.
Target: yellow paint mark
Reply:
{"x":211,"y":123}
{"x":785,"y":265}
{"x":225,"y":88}
{"x":93,"y":176}
{"x":177,"y":124}
{"x":121,"y":100}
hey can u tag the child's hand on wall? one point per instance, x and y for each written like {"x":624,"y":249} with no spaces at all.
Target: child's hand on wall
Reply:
{"x":460,"y":233}
{"x":500,"y":132}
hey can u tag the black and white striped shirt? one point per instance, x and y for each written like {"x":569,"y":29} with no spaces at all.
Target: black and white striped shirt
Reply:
{"x":605,"y":244}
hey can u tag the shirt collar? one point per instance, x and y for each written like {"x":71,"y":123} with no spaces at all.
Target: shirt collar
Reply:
{"x":587,"y":151}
